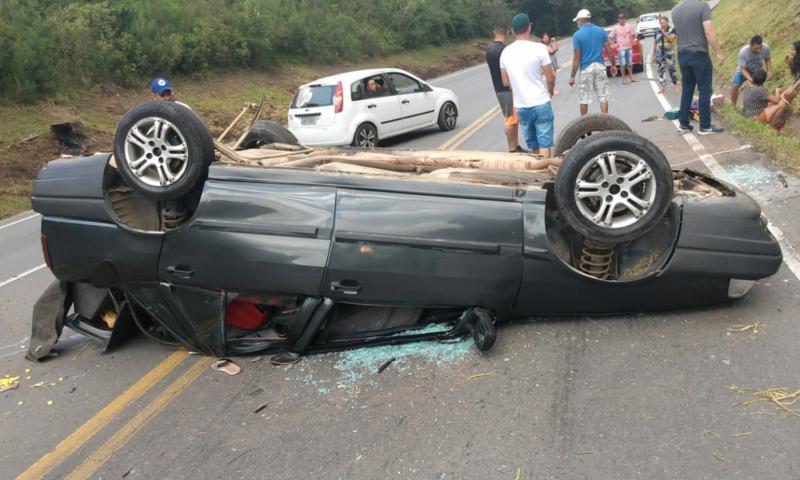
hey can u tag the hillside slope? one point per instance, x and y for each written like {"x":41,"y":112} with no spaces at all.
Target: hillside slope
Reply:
{"x":778,"y":21}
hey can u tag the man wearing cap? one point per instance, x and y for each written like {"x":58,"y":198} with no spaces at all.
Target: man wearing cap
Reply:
{"x":588,"y":44}
{"x":163,"y":92}
{"x":525,"y":67}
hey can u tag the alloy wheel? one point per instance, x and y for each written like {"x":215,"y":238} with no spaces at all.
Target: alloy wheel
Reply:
{"x":156,"y":152}
{"x":615,"y":189}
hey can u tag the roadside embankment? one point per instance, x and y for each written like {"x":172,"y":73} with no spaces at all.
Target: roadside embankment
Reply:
{"x":26,"y":142}
{"x":778,"y":22}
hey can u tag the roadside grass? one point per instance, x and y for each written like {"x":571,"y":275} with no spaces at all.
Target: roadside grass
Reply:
{"x":782,"y":148}
{"x":15,"y":199}
{"x":779,"y":23}
{"x":217,"y":98}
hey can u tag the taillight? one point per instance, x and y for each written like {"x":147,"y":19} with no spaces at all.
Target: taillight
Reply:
{"x":46,"y":252}
{"x":338,"y":98}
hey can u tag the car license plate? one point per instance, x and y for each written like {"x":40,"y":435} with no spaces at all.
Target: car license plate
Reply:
{"x":308,"y":120}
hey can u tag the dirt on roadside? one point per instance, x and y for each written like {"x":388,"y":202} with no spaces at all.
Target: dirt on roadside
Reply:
{"x":217,"y":99}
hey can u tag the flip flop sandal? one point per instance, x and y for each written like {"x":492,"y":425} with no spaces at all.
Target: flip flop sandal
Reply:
{"x":226,"y":365}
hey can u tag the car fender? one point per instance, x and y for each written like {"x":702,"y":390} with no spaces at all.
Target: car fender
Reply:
{"x":445,"y":95}
{"x":358,"y":120}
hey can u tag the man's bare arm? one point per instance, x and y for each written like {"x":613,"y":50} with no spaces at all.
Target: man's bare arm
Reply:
{"x":611,"y":58}
{"x":550,"y":75}
{"x":504,"y":77}
{"x":746,"y":74}
{"x":711,"y":35}
{"x":768,"y":64}
{"x":576,"y":63}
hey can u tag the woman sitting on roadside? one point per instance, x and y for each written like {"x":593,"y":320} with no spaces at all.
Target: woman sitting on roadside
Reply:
{"x":766,"y":108}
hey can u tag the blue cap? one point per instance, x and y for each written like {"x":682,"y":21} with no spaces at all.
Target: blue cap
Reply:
{"x":159,"y":85}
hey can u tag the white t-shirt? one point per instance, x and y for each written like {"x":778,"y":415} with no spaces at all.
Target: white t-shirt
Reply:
{"x":523,"y":61}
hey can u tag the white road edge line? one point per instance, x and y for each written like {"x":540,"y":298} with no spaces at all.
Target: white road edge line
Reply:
{"x":22,"y":275}
{"x":790,"y":255}
{"x":15,"y":344}
{"x":35,"y":215}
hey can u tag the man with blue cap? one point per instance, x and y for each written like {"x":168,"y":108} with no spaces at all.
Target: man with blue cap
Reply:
{"x":162,"y":90}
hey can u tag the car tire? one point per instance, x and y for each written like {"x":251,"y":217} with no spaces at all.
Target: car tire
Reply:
{"x":366,"y":136}
{"x":596,"y":199}
{"x":264,"y":132}
{"x":448,"y":117}
{"x":162,"y":149}
{"x":585,"y":126}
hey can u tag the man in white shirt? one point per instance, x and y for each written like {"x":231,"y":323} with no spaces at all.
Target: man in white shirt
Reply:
{"x":525,"y":67}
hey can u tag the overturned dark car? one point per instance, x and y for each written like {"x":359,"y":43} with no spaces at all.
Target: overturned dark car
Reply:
{"x":270,"y":246}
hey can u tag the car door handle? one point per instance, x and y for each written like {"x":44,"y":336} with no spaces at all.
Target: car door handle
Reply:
{"x":346,"y":287}
{"x":371,"y":105}
{"x":405,"y":101}
{"x":180,"y":271}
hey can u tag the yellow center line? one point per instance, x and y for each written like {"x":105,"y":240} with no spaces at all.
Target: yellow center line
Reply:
{"x":456,"y":140}
{"x":93,"y":462}
{"x":85,"y":432}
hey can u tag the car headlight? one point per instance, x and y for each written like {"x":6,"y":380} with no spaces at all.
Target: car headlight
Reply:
{"x":738,"y":288}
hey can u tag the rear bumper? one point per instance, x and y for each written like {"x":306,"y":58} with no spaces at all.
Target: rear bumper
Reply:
{"x":334,"y":135}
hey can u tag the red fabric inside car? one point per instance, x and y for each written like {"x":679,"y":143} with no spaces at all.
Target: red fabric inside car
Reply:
{"x":244,"y":315}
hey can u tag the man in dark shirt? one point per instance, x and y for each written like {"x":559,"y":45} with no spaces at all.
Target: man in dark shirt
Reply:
{"x":695,"y":29}
{"x":503,"y":92}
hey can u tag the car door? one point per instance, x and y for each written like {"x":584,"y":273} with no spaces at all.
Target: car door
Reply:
{"x":434,"y":247}
{"x":252,"y":236}
{"x":417,"y":104}
{"x":383,"y":108}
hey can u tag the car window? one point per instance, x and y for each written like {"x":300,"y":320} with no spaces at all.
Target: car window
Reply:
{"x":404,"y":83}
{"x":357,"y":90}
{"x":314,"y":96}
{"x":648,"y":18}
{"x":369,"y":87}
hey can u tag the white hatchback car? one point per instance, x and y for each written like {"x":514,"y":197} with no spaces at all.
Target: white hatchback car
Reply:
{"x":648,"y":24}
{"x":359,"y":108}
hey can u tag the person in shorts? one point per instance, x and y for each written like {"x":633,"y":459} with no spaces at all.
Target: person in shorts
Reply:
{"x":766,"y":108}
{"x":525,"y":67}
{"x":588,"y":44}
{"x":623,"y":36}
{"x":752,"y":57}
{"x":503,"y":92}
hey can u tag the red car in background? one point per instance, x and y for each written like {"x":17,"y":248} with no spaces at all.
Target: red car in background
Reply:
{"x":638,"y":56}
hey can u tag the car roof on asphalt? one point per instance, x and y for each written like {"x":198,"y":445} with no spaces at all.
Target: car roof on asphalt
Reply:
{"x":350,"y":76}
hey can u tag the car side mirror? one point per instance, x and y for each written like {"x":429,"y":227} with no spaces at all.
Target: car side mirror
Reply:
{"x":426,"y":88}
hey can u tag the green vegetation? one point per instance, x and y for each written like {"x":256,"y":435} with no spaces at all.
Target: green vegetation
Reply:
{"x":778,"y":21}
{"x":51,"y":45}
{"x":217,"y":98}
{"x":782,"y":148}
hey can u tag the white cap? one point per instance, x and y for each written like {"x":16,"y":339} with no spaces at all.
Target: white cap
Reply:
{"x":582,"y":14}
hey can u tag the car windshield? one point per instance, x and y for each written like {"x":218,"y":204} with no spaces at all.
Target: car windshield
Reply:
{"x":648,"y":18}
{"x":314,"y":96}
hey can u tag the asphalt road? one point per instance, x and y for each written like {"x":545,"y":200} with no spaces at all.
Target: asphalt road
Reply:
{"x":639,"y":396}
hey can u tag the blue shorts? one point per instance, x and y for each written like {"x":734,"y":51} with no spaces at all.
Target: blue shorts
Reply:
{"x":625,"y":57}
{"x":738,"y":79}
{"x":537,"y":125}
